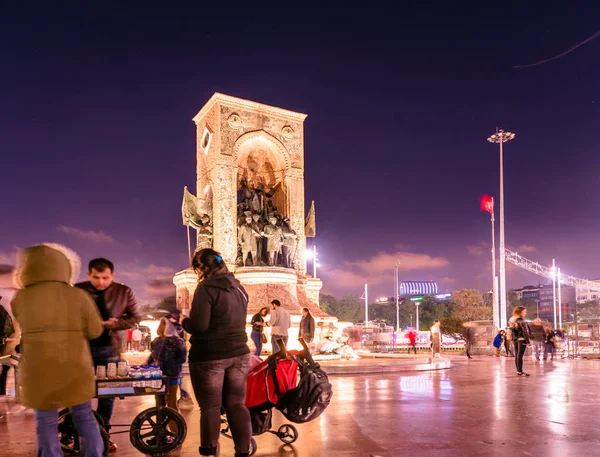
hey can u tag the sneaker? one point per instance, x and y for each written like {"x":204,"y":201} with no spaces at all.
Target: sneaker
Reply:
{"x":112,"y":447}
{"x":522,"y":373}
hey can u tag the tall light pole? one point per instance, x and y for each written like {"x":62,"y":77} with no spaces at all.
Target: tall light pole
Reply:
{"x":397,"y":294}
{"x":366,"y":305}
{"x":559,"y":302}
{"x":417,"y":316}
{"x":554,"y":289}
{"x":501,"y":137}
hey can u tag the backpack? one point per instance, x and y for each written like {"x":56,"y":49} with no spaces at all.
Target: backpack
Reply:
{"x":167,"y":356}
{"x":310,"y":398}
{"x":7,"y":327}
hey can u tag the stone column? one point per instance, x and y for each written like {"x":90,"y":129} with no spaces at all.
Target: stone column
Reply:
{"x":185,"y":282}
{"x":223,"y":176}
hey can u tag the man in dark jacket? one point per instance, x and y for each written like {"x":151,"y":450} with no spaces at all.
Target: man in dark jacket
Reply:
{"x":538,"y":335}
{"x":119,"y":310}
{"x":307,"y":326}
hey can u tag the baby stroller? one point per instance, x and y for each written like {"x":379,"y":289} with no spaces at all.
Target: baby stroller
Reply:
{"x":274,"y":383}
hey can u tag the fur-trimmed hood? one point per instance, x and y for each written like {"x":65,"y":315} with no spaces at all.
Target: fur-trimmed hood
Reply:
{"x":46,"y":262}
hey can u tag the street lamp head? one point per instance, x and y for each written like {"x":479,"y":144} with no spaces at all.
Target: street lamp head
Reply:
{"x":501,"y":137}
{"x":308,"y":254}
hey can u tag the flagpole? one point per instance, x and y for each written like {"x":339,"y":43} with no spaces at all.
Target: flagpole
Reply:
{"x":366,"y":306}
{"x":494,"y":288}
{"x":559,"y":302}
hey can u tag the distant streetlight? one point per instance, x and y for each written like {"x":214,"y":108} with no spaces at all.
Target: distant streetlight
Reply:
{"x":553,"y":273}
{"x":312,"y":254}
{"x":501,"y":137}
{"x":559,"y":301}
{"x":417,"y":314}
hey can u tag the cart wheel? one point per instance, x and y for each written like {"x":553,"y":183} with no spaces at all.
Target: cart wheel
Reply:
{"x":68,"y":436}
{"x":287,"y":433}
{"x":253,"y":447}
{"x":150,"y":435}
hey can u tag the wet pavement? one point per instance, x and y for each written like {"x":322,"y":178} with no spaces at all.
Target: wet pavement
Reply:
{"x":478,"y":407}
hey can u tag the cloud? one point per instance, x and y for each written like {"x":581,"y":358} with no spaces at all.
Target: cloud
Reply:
{"x":91,"y":235}
{"x":160,"y":288}
{"x":8,"y":258}
{"x":138,"y":271}
{"x":524,"y":249}
{"x":449,"y":281}
{"x":478,"y":250}
{"x":408,"y":261}
{"x":378,"y":270}
{"x":6,"y":276}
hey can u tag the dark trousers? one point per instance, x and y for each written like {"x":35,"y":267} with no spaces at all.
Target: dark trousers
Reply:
{"x":412,"y":347}
{"x":468,"y":347}
{"x":520,"y":348}
{"x":548,"y":349}
{"x":222,"y":384}
{"x":257,"y":338}
{"x":274,"y":339}
{"x":3,"y":378}
{"x":507,"y":348}
{"x":103,"y":355}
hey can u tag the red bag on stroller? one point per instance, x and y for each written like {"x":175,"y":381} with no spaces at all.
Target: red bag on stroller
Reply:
{"x":269,"y":381}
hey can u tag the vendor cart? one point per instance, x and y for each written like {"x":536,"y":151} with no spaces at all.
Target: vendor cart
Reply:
{"x":156,"y":431}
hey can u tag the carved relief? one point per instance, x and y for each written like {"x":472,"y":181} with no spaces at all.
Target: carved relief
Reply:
{"x":235,"y":121}
{"x":287,"y":132}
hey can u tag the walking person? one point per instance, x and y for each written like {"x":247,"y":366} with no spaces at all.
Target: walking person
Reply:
{"x":521,"y":337}
{"x":412,"y":341}
{"x":219,"y":356}
{"x":8,"y":343}
{"x":280,"y":324}
{"x":498,"y":342}
{"x":56,"y":371}
{"x":258,"y":330}
{"x":508,"y":343}
{"x":549,"y":343}
{"x":538,"y":335}
{"x":307,"y":326}
{"x":436,"y":340}
{"x":119,"y":311}
{"x":468,"y":339}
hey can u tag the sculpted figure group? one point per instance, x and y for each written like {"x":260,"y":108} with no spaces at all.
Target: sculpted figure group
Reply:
{"x":264,"y":235}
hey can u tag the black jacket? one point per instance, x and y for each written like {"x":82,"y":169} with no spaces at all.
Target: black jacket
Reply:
{"x":520,"y":330}
{"x":307,"y":327}
{"x":217,"y":321}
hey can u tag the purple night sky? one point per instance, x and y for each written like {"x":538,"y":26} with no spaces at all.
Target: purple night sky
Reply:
{"x":97,"y":141}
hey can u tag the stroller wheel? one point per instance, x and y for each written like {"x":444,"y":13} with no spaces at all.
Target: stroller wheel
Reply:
{"x":253,"y":447}
{"x":287,"y":433}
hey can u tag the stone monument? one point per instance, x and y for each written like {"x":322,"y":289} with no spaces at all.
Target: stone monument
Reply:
{"x":250,"y":203}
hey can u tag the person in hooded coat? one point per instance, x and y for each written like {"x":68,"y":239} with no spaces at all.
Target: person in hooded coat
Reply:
{"x":57,"y":321}
{"x":219,"y":356}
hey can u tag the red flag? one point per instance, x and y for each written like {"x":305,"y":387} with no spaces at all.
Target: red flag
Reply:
{"x":487,"y":204}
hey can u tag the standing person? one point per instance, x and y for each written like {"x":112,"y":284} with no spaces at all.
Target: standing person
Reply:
{"x":538,"y":335}
{"x":136,"y":336}
{"x":412,"y":340}
{"x":258,"y":327}
{"x":129,"y":340}
{"x":219,"y":356}
{"x":521,"y":336}
{"x":119,"y":310}
{"x":498,"y":342}
{"x":307,"y":326}
{"x":508,"y":342}
{"x":57,"y":321}
{"x":436,"y":339}
{"x":8,"y":343}
{"x":169,"y":351}
{"x":280,"y":324}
